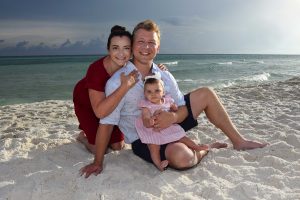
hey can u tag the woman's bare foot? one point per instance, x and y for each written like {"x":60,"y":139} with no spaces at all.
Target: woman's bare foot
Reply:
{"x":82,"y":139}
{"x":248,"y":144}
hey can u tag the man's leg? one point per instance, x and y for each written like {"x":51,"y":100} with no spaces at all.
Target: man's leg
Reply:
{"x":205,"y":99}
{"x":181,"y":157}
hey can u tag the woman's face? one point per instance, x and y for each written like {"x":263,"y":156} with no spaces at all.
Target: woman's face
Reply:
{"x":120,"y":50}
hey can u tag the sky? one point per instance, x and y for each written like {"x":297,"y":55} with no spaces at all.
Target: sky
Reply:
{"x":60,"y":27}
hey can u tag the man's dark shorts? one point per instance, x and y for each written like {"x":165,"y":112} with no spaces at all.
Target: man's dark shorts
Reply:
{"x":140,"y":149}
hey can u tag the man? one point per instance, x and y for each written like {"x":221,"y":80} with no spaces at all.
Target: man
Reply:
{"x":146,"y":43}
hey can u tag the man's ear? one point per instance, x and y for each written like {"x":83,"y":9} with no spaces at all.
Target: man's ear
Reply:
{"x":158,"y":48}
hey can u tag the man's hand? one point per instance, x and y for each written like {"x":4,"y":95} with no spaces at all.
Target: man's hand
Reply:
{"x":91,"y":169}
{"x":163,"y":119}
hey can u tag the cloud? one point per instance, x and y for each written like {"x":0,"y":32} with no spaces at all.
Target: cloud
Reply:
{"x":24,"y":48}
{"x":1,"y":41}
{"x":66,"y":43}
{"x":22,"y":44}
{"x":186,"y":22}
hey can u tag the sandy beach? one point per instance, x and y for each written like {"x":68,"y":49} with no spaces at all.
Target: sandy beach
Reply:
{"x":40,"y":157}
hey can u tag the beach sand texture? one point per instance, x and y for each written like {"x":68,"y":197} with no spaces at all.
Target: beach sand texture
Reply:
{"x":40,"y":158}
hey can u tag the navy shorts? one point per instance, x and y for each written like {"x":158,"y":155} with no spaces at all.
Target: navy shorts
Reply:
{"x":141,"y":150}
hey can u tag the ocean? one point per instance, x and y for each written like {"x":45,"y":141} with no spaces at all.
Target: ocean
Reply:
{"x":38,"y":78}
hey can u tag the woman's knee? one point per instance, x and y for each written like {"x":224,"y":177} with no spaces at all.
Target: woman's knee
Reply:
{"x":180,"y":156}
{"x":117,"y":146}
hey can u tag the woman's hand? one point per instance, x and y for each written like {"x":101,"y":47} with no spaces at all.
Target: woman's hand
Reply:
{"x":129,"y":80}
{"x":91,"y":169}
{"x":162,"y":67}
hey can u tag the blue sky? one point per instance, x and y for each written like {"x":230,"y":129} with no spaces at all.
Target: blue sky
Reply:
{"x":193,"y":26}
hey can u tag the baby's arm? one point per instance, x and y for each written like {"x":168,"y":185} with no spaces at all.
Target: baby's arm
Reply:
{"x":147,"y":118}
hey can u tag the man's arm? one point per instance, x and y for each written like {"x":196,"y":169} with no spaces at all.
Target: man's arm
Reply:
{"x":164,"y":119}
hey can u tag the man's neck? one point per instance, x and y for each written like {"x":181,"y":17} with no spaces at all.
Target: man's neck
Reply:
{"x":143,"y":68}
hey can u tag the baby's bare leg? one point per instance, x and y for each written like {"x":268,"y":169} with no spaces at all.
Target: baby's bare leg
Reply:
{"x":155,"y":155}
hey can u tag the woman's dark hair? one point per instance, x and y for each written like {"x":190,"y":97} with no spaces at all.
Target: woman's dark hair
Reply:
{"x":118,"y":31}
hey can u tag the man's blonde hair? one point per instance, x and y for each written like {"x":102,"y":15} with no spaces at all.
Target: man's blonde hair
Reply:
{"x":148,"y":25}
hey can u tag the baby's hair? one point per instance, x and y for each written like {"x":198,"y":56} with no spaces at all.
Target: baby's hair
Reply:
{"x":153,"y":80}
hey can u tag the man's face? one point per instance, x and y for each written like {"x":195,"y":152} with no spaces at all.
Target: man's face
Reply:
{"x":145,"y":46}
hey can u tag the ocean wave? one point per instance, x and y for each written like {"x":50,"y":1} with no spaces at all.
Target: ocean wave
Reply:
{"x":185,"y":80}
{"x":170,"y":63}
{"x":240,"y":62}
{"x":292,"y":81}
{"x":228,"y":84}
{"x":258,"y":77}
{"x":225,"y":63}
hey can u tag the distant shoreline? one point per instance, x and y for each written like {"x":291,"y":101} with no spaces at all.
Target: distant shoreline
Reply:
{"x":63,"y":55}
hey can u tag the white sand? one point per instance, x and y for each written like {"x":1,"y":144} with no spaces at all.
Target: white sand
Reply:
{"x":40,"y":158}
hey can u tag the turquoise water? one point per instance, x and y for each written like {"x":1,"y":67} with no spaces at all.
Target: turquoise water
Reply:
{"x":38,"y":78}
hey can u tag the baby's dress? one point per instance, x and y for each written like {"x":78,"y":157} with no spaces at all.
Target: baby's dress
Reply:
{"x":164,"y":136}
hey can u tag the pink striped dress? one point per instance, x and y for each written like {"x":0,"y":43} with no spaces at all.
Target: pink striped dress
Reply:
{"x":167,"y":135}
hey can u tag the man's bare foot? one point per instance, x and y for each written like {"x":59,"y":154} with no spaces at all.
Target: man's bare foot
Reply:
{"x":248,"y":144}
{"x":82,"y":139}
{"x":218,"y":145}
{"x":207,"y":147}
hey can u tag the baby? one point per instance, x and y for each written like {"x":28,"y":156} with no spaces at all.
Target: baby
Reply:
{"x":155,"y":100}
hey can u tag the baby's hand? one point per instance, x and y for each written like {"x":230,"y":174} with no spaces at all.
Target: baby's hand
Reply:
{"x":152,"y":121}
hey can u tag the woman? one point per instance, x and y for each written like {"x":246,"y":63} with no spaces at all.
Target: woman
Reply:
{"x":90,"y":102}
{"x":89,"y":99}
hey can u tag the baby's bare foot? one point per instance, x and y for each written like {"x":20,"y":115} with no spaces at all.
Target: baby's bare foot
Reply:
{"x":163,"y":165}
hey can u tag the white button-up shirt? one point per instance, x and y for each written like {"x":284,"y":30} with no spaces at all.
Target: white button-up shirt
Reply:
{"x":128,"y":111}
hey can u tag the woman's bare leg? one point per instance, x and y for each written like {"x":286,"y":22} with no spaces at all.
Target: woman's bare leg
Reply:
{"x":205,"y":99}
{"x":92,"y":148}
{"x":117,"y":146}
{"x":82,"y":138}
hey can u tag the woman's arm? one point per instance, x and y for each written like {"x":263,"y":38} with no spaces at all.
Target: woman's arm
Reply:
{"x":103,"y":106}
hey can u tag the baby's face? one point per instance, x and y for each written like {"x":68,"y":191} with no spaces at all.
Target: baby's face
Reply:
{"x":154,"y":92}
